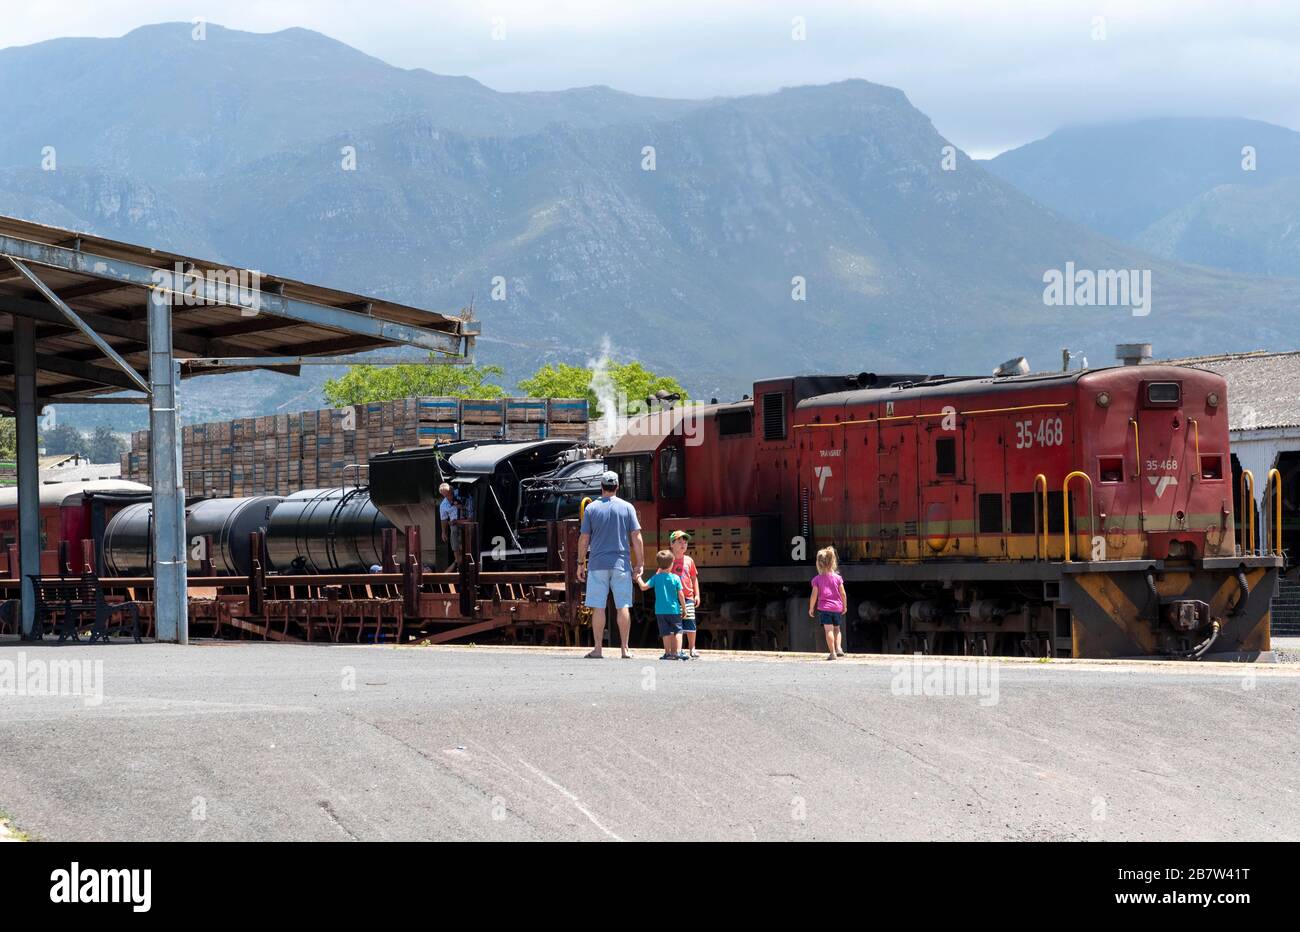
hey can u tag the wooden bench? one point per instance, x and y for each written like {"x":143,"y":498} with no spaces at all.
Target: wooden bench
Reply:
{"x":76,"y":599}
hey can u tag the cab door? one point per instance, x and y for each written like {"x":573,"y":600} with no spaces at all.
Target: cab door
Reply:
{"x":862,"y":495}
{"x":986,"y":439}
{"x":947,"y":526}
{"x":894,"y":517}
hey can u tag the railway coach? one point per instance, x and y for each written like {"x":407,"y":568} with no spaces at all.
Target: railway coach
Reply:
{"x":1076,"y":514}
{"x":73,"y":514}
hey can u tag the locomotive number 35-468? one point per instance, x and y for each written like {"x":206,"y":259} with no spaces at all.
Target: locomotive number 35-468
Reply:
{"x":1050,"y":433}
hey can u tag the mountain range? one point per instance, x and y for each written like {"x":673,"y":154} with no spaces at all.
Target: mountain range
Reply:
{"x":816,"y":228}
{"x":1213,"y":192}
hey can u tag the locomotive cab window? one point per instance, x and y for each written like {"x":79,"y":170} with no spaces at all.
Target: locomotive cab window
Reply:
{"x":945,"y":456}
{"x":736,"y":423}
{"x":1164,"y":394}
{"x":672,"y":477}
{"x":633,"y":477}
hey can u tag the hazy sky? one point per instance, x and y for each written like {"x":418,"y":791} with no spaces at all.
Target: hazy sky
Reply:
{"x":991,"y":74}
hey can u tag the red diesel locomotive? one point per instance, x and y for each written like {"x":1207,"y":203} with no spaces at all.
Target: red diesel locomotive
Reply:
{"x":1075,"y":514}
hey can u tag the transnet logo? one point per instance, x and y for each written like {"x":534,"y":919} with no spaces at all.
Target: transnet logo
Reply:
{"x":822,"y":473}
{"x":1161,"y":483}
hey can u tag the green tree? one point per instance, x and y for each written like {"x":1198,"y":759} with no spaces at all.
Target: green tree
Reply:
{"x":560,"y":380}
{"x":8,"y":439}
{"x":384,"y":383}
{"x":105,"y":446}
{"x":631,"y":380}
{"x":64,"y":438}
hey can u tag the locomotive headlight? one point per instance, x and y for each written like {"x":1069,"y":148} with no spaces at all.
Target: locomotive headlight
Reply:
{"x":1103,"y":399}
{"x":1212,"y":399}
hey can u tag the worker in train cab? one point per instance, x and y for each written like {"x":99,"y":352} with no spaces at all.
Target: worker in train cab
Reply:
{"x":828,"y":601}
{"x":449,"y":512}
{"x":611,"y":535}
{"x":684,"y":569}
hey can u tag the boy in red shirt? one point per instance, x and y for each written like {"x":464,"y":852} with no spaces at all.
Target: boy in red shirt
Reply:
{"x":684,"y":568}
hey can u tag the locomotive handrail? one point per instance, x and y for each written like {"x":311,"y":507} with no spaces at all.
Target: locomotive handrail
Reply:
{"x":1040,"y":539}
{"x":582,"y":507}
{"x":1248,"y":503}
{"x":1275,"y":489}
{"x":1137,"y":448}
{"x":1065,"y":506}
{"x":1196,"y":431}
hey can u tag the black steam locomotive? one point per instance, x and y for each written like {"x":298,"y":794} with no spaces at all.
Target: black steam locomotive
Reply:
{"x":512,"y":489}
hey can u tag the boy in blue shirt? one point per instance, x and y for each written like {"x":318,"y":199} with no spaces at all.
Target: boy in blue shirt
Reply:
{"x":670,"y":604}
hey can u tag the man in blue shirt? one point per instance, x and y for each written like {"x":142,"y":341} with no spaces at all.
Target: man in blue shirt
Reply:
{"x":611,"y":534}
{"x":448,"y":514}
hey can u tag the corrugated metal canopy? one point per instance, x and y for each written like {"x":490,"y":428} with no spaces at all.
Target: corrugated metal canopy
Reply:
{"x":108,"y":283}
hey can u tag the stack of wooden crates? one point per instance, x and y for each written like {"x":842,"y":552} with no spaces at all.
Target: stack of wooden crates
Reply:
{"x":482,"y":420}
{"x":279,"y":454}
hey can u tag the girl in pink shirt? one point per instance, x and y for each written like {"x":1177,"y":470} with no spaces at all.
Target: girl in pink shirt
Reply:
{"x":828,"y":600}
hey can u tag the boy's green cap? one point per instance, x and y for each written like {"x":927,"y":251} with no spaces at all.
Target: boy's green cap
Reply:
{"x":678,"y":535}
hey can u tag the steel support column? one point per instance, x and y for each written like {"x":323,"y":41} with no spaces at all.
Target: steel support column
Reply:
{"x":29,"y":481}
{"x":170,"y":597}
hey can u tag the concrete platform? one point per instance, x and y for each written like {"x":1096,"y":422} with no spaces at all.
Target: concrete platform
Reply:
{"x":275,"y":741}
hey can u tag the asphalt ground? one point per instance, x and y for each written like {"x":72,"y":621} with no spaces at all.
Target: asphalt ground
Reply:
{"x":256,"y":741}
